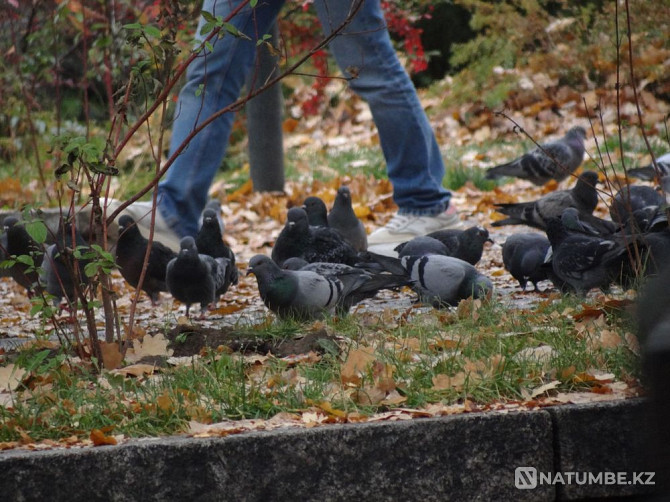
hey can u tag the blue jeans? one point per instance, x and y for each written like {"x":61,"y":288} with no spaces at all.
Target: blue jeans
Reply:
{"x":413,"y":160}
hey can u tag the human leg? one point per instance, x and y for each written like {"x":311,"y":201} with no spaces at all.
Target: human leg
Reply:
{"x":214,"y":81}
{"x":413,"y":158}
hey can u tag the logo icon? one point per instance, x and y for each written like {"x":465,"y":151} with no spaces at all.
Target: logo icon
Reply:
{"x":525,"y":478}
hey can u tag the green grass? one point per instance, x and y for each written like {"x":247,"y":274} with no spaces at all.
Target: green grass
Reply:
{"x":480,"y":346}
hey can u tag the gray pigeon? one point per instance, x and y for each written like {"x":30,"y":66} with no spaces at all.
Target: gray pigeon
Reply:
{"x":468,"y":244}
{"x":420,"y":246}
{"x":62,"y":271}
{"x":3,"y":254}
{"x":213,"y":205}
{"x":20,"y":243}
{"x":209,"y":241}
{"x":583,"y":196}
{"x":131,"y":249}
{"x":649,"y":173}
{"x":586,"y":223}
{"x":445,"y":280}
{"x":305,"y":294}
{"x":343,"y":219}
{"x":655,"y":248}
{"x":317,"y":212}
{"x":313,"y":244}
{"x":368,"y":289}
{"x":586,"y":261}
{"x":632,"y":198}
{"x":192,"y":277}
{"x":524,"y":255}
{"x":555,"y":160}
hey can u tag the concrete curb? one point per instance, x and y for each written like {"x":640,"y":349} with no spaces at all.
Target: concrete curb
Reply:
{"x":458,"y":457}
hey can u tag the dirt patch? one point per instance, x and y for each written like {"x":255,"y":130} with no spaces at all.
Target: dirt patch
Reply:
{"x":190,"y":340}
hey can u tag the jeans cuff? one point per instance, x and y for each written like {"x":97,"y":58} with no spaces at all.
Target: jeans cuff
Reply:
{"x":432,"y":211}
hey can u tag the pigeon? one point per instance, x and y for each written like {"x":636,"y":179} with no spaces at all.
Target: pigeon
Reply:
{"x":445,"y":280}
{"x":586,"y":223}
{"x":655,"y":250}
{"x":468,"y":244}
{"x":317,"y":212}
{"x":584,"y":261}
{"x":632,"y":198}
{"x":648,"y":172}
{"x":62,"y":273}
{"x":131,"y":248}
{"x":20,"y":243}
{"x":3,"y":251}
{"x":368,"y":289}
{"x":420,"y":246}
{"x":313,"y":244}
{"x":209,"y":241}
{"x":343,"y":219}
{"x":214,"y":205}
{"x":555,"y":160}
{"x":524,"y":256}
{"x":306,"y":294}
{"x":192,"y":277}
{"x":583,"y":196}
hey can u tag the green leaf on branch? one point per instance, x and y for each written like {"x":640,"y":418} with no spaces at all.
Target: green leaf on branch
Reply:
{"x":103,"y":168}
{"x":26,"y":260}
{"x":206,"y":28}
{"x":152,"y":31}
{"x":37,"y":230}
{"x":232,"y":29}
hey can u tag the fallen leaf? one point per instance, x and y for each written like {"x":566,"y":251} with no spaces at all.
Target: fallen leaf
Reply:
{"x":444,"y":382}
{"x":542,"y":389}
{"x":136,"y":370}
{"x":99,"y":438}
{"x":156,"y":345}
{"x":11,"y":376}
{"x":111,"y":355}
{"x":356,"y":364}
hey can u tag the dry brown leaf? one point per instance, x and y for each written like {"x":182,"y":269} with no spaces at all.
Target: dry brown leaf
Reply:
{"x":444,"y":382}
{"x":111,"y":355}
{"x":328,"y":408}
{"x":356,"y":364}
{"x":165,"y":402}
{"x":367,"y":396}
{"x":136,"y":370}
{"x":393,"y":398}
{"x":99,"y":438}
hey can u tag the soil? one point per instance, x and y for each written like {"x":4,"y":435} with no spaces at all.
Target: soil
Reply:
{"x":191,"y":340}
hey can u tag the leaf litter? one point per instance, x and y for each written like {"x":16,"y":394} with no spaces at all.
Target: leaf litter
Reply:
{"x":253,"y":221}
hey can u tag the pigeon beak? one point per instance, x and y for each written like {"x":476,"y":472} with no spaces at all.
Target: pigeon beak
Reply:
{"x":490,"y":240}
{"x":250,"y":271}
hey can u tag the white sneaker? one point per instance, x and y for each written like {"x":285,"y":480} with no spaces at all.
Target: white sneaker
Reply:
{"x":140,"y":211}
{"x":403,"y":227}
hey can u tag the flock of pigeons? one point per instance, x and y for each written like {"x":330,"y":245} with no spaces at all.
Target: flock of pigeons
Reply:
{"x":320,"y":263}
